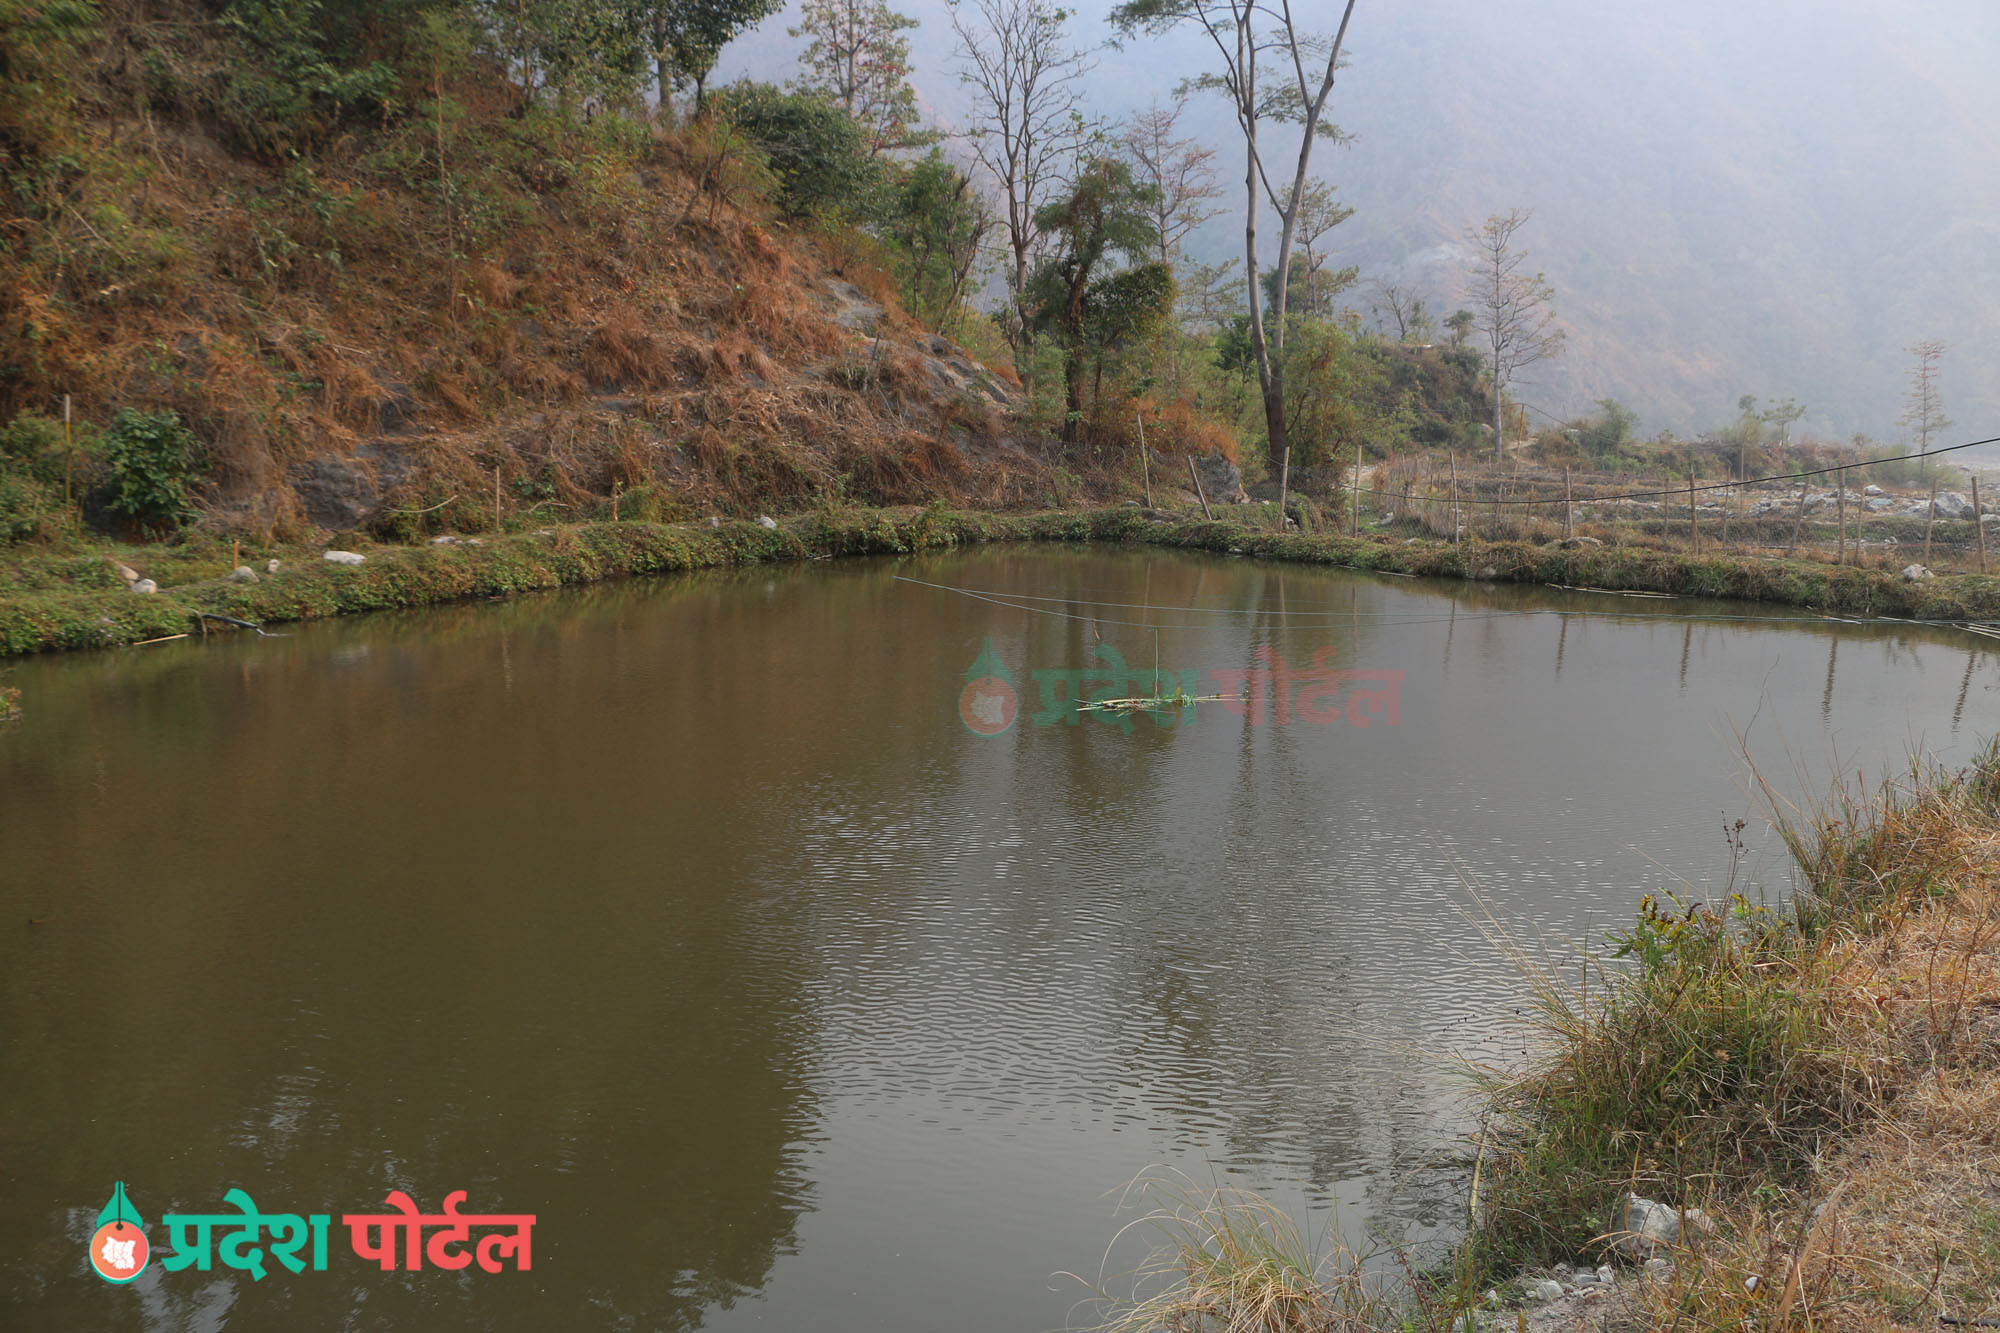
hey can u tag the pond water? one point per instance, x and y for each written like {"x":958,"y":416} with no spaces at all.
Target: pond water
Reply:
{"x":692,"y":917}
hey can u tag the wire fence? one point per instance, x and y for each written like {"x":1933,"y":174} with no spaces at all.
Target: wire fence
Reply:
{"x":1822,"y":513}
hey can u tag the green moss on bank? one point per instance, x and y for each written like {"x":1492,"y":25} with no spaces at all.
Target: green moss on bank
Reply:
{"x":72,"y":597}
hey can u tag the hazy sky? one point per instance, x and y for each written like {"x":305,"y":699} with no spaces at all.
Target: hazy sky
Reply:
{"x":1773,"y":198}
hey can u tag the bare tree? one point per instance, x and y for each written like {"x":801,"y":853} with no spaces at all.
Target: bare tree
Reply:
{"x":1401,"y":312}
{"x":1243,"y":32}
{"x":1923,"y":411}
{"x":1180,"y":170}
{"x":1028,"y":127}
{"x":1510,"y":307}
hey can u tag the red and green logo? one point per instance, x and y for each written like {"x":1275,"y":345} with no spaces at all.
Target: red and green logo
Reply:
{"x":988,"y":705}
{"x":118,"y":1248}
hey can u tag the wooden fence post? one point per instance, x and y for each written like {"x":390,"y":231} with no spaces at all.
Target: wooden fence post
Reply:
{"x":1978,"y":527}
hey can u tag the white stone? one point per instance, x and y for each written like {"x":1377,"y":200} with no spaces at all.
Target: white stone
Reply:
{"x":243,"y":574}
{"x":145,"y":585}
{"x":1542,"y":1289}
{"x":1871,"y":490}
{"x":766,"y":522}
{"x":344,"y":558}
{"x":270,"y":566}
{"x":1915,"y":573}
{"x":446,"y":540}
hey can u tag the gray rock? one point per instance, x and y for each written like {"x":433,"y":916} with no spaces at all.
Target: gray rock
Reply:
{"x":1643,"y":1227}
{"x":446,"y":540}
{"x":1880,"y":506}
{"x":1871,"y":490}
{"x":243,"y":574}
{"x":270,"y":566}
{"x":1915,"y":573}
{"x":1221,"y":480}
{"x":766,"y":522}
{"x":1584,"y":1277}
{"x":1541,"y":1290}
{"x":1489,"y":571}
{"x":1659,"y":1269}
{"x":145,"y":585}
{"x":344,"y":558}
{"x":1951,"y":504}
{"x":1606,"y":1274}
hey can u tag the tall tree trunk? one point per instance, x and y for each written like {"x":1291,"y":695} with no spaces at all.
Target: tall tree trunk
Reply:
{"x":665,"y":74}
{"x":1499,"y":449}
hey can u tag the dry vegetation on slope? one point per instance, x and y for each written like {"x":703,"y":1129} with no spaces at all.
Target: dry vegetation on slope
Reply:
{"x":364,"y":332}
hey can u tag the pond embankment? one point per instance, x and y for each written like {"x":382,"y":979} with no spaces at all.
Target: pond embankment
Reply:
{"x":75,"y":595}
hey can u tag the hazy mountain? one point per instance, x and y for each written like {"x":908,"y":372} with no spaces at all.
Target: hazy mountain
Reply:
{"x":1773,"y":197}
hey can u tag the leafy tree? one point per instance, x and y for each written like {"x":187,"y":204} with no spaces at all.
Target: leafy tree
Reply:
{"x":1105,"y":214}
{"x":818,"y":152}
{"x":1606,"y":434}
{"x":1459,"y":324}
{"x":1243,"y":33}
{"x":575,"y":48}
{"x":937,"y":218}
{"x":686,"y":37}
{"x":1313,"y":294}
{"x":1511,"y":308}
{"x":858,"y":56}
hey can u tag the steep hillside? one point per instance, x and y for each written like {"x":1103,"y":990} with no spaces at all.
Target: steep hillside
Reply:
{"x":377,"y":319}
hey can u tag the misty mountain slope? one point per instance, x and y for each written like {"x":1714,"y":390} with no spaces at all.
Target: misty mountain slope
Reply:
{"x":1771,"y":198}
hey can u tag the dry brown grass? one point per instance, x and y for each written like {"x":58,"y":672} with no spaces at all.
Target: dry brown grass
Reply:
{"x":1896,"y":1221}
{"x":603,"y":293}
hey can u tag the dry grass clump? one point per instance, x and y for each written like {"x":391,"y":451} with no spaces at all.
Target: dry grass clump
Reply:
{"x":1825,"y":1080}
{"x":1226,"y":1260}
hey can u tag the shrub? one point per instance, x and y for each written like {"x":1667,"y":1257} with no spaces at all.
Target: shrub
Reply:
{"x":818,"y":152}
{"x":152,"y":459}
{"x":28,"y":508}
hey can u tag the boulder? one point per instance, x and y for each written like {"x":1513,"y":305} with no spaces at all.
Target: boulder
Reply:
{"x":144,"y":585}
{"x":243,"y":574}
{"x":1643,"y":1228}
{"x":1880,"y":505}
{"x":1951,"y":504}
{"x":1221,"y":480}
{"x":766,"y":522}
{"x":1871,"y":490}
{"x":1915,"y":573}
{"x":344,"y":558}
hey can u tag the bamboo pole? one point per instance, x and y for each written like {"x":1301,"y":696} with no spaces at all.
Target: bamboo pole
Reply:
{"x":1569,"y":507}
{"x":496,"y":497}
{"x":1354,"y":524}
{"x":1930,"y":518}
{"x":1145,"y":465}
{"x":1199,"y":494}
{"x":1454,"y":497}
{"x":1840,"y":504}
{"x":1801,"y":519}
{"x":1977,"y":527}
{"x":1694,"y":524}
